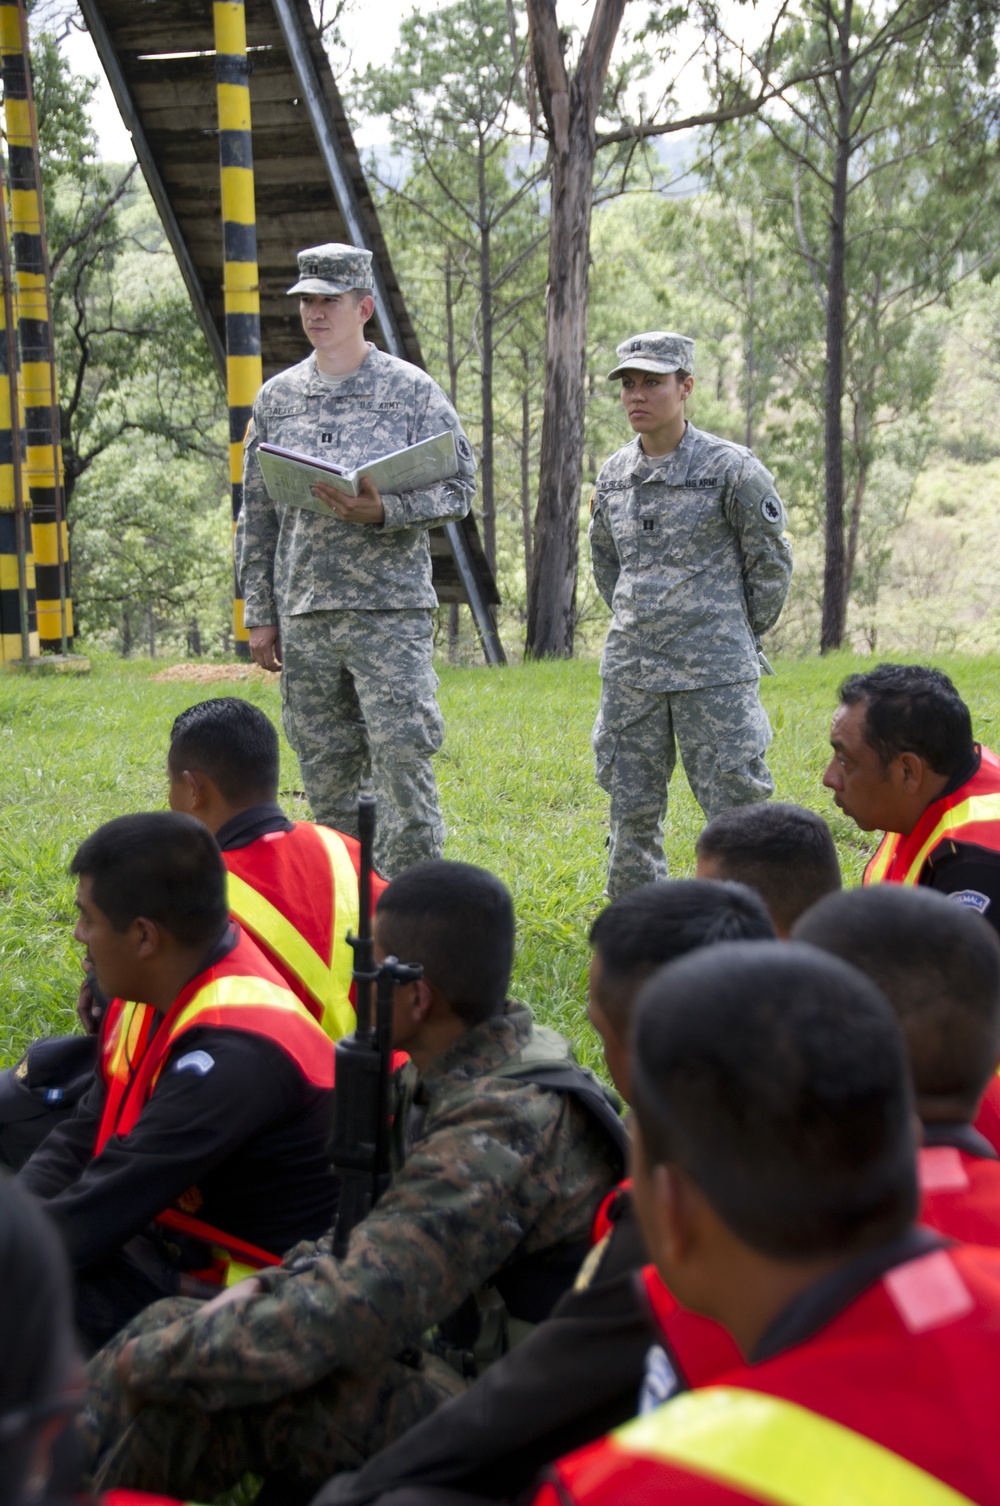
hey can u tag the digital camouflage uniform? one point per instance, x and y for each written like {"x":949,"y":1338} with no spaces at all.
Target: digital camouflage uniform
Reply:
{"x":688,"y":552}
{"x":306,"y":1379}
{"x":352,"y":601}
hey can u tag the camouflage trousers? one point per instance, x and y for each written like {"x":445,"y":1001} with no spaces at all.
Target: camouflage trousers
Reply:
{"x":358,"y":704}
{"x":299,"y":1440}
{"x":722,"y":733}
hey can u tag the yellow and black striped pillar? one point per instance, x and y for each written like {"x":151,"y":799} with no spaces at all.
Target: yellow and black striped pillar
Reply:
{"x":43,"y":451}
{"x":240,"y":287}
{"x":18,"y":621}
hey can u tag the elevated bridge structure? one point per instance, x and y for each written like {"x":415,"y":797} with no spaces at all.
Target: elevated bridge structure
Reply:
{"x":159,"y":58}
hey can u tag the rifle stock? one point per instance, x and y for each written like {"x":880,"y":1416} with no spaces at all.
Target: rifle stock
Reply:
{"x":360,"y":1147}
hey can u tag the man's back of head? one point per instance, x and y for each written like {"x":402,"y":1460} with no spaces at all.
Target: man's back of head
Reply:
{"x":774,"y":1078}
{"x":783,"y":852}
{"x":938,"y":964}
{"x":655,"y":923}
{"x":457,"y":922}
{"x":231,"y":742}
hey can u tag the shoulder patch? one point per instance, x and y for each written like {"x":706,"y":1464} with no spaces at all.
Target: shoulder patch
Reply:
{"x":973,"y":898}
{"x":195,"y":1061}
{"x":463,"y":447}
{"x":770,"y":509}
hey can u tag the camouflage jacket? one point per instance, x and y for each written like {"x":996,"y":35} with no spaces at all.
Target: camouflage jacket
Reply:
{"x":688,"y":553}
{"x":290,"y":560}
{"x":497,"y":1170}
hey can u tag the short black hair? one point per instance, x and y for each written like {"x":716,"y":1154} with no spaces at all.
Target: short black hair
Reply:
{"x":775,"y":1077}
{"x":36,"y":1329}
{"x":655,"y":923}
{"x":938,"y":964}
{"x":160,"y":865}
{"x":233,"y":743}
{"x":910,"y":708}
{"x":785,"y":853}
{"x":457,"y":922}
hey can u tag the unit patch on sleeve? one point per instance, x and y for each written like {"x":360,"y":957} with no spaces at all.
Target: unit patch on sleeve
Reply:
{"x":973,"y":898}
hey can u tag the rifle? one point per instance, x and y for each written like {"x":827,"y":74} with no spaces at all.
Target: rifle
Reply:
{"x":360,"y":1147}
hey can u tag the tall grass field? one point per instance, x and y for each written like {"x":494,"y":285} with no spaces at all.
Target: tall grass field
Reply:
{"x":517,"y":787}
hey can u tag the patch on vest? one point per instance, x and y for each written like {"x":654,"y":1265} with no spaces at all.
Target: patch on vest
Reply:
{"x":972,"y":897}
{"x":463,"y":447}
{"x":770,"y":509}
{"x":928,"y":1292}
{"x":195,"y":1061}
{"x":659,"y":1381}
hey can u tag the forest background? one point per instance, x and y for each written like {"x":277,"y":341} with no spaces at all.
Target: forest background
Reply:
{"x":830,"y":238}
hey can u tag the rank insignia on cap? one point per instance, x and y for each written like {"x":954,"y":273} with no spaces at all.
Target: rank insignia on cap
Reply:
{"x":636,"y":345}
{"x":310,"y":269}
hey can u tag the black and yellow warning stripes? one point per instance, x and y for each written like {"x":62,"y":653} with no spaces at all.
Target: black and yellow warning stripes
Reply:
{"x":18,"y":622}
{"x":241,"y":292}
{"x":43,"y":451}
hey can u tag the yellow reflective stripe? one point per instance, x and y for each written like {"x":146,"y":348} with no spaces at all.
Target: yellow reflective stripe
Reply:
{"x":247,"y":992}
{"x":127,"y":1035}
{"x":976,"y":808}
{"x":880,"y":862}
{"x":277,"y":932}
{"x":338,"y":1016}
{"x":779,"y":1451}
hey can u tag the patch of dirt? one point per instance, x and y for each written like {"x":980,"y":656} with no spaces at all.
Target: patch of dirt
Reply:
{"x":210,"y":674}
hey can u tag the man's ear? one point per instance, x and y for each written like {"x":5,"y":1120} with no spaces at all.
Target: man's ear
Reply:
{"x":423,"y":1000}
{"x":912,"y":772}
{"x":147,"y":938}
{"x":194,"y":789}
{"x":674,"y":1213}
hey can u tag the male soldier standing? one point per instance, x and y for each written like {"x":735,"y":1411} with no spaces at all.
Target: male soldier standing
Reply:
{"x":342,"y":604}
{"x":687,"y":548}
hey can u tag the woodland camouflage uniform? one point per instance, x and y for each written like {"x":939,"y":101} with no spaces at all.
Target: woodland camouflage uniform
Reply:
{"x":688,"y":552}
{"x":352,"y":601}
{"x":307,"y":1378}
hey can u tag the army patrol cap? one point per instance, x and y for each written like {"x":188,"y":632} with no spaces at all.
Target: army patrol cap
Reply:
{"x":332,"y":269}
{"x":661,"y":350}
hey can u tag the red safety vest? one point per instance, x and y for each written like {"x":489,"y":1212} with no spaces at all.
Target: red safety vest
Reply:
{"x":296,"y":892}
{"x":892,"y":1403}
{"x":241,"y":992}
{"x":970,"y":814}
{"x":702,"y":1348}
{"x":960,"y":1194}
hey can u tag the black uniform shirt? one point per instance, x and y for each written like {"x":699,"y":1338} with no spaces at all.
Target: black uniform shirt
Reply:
{"x":968,"y":874}
{"x":231,"y":1116}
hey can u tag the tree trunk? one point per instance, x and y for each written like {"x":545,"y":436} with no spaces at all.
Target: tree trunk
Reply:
{"x":453,"y":632}
{"x":126,"y":635}
{"x":750,"y":352}
{"x":151,"y":632}
{"x":526,"y":475}
{"x":449,"y":309}
{"x":834,"y":574}
{"x":570,"y":109}
{"x":486,"y":469}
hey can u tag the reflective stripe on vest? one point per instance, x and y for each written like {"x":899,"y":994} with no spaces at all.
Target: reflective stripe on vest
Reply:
{"x":327,"y":979}
{"x":959,"y":819}
{"x":234,"y":1002}
{"x":778,"y":1451}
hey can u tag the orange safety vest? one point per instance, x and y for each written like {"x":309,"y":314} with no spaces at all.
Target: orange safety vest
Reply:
{"x":297,"y":894}
{"x":970,"y":814}
{"x":241,"y":992}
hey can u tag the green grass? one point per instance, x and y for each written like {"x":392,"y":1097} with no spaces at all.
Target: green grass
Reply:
{"x":516,"y":785}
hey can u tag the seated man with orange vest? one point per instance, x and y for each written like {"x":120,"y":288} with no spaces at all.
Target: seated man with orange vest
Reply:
{"x":292,"y":886}
{"x":580,"y":1371}
{"x":939,"y":967}
{"x":210,"y":1114}
{"x":774,"y":1178}
{"x":904,"y":762}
